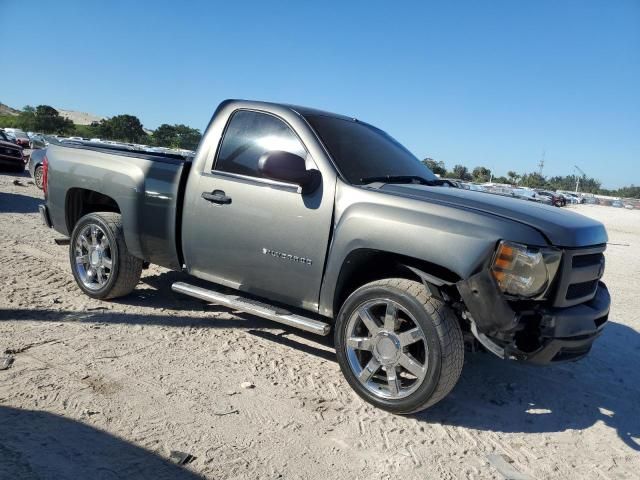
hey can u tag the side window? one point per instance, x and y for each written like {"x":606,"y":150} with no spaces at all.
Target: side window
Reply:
{"x":248,"y":136}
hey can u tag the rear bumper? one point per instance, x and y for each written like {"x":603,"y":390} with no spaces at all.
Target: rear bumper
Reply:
{"x":44,"y":215}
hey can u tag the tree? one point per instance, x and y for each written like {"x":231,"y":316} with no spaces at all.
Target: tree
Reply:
{"x":26,"y":118}
{"x":461,"y":172}
{"x":126,"y":128}
{"x":513,"y":177}
{"x":481,"y":174}
{"x":436,"y":167}
{"x":533,"y":180}
{"x":177,"y":136}
{"x":48,"y":120}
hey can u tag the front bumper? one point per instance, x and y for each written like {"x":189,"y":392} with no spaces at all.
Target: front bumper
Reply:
{"x":567,"y":334}
{"x":11,"y":160}
{"x":541,"y":336}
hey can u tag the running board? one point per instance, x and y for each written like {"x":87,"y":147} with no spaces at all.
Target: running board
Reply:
{"x":254,"y":307}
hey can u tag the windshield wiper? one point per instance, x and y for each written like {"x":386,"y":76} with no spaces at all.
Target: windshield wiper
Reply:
{"x":401,"y":179}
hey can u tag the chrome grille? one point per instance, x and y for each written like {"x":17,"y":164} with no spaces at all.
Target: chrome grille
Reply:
{"x":578,"y":275}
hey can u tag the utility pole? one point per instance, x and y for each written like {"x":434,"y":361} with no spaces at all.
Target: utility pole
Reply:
{"x":578,"y":177}
{"x":541,"y":164}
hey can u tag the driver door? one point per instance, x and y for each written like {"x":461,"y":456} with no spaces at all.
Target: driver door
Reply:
{"x":255,"y":234}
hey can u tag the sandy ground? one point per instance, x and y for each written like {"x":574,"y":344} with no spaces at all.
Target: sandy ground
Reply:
{"x":108,"y":390}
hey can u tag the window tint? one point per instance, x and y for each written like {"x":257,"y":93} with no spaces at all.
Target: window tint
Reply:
{"x":248,"y":136}
{"x":361,"y":150}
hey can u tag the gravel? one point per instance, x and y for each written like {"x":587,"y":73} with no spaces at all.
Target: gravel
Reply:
{"x":118,"y":389}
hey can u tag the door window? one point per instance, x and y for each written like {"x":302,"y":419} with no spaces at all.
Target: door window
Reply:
{"x":249,"y":135}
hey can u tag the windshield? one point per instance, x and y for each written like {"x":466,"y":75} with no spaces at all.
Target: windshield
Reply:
{"x":3,"y":136}
{"x":362,"y":151}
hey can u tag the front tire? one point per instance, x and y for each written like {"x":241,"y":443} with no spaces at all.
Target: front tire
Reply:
{"x":399,"y":348}
{"x":102,"y":266}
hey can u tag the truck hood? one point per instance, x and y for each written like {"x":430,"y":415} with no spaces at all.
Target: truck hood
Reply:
{"x":563,"y":228}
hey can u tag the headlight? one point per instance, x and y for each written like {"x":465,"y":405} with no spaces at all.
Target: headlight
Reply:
{"x":524,"y":271}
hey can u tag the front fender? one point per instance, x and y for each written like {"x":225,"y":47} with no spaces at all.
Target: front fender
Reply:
{"x":454,"y":238}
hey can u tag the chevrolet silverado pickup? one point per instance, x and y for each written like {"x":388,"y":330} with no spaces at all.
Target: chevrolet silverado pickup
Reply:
{"x":324,"y":222}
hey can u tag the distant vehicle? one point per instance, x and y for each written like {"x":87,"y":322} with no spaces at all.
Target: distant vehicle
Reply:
{"x":531,"y":195}
{"x":96,"y":140}
{"x":499,"y":190}
{"x":36,"y":166}
{"x":573,"y":198}
{"x":557,"y":199}
{"x":20,"y":137}
{"x":76,"y":138}
{"x":617,"y":204}
{"x":37,"y":140}
{"x":471,"y":186}
{"x":592,"y":201}
{"x":10,"y":154}
{"x":628,"y":206}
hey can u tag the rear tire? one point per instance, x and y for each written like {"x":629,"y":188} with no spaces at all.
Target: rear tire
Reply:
{"x":38,"y":175}
{"x":399,"y":348}
{"x":102,"y":266}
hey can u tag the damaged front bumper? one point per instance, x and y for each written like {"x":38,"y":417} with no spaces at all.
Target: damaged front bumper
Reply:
{"x":542,"y":335}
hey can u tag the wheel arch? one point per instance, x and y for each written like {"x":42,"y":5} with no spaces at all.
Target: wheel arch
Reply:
{"x":80,"y":202}
{"x":365,"y":265}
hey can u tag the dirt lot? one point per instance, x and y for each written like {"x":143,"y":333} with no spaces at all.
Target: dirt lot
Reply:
{"x":108,"y":390}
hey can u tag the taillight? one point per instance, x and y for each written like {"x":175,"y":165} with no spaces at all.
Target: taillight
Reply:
{"x":45,"y":174}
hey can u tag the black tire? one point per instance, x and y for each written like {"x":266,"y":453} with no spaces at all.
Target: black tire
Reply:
{"x":443,"y":337}
{"x":126,"y":269}
{"x":38,"y":175}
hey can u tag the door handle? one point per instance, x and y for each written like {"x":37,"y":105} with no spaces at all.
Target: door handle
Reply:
{"x":217,"y":196}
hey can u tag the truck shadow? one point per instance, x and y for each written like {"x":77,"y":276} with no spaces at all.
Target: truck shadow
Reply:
{"x":492,"y":394}
{"x":517,"y":398}
{"x":43,"y":445}
{"x":18,"y":203}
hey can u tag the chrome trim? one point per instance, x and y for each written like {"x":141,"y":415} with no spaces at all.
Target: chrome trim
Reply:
{"x":255,"y":180}
{"x":256,"y":308}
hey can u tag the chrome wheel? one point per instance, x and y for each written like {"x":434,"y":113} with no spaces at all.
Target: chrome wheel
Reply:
{"x":386,"y":349}
{"x":93,"y":257}
{"x":37,"y":177}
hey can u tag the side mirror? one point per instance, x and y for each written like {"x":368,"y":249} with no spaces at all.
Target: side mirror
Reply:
{"x":288,"y":167}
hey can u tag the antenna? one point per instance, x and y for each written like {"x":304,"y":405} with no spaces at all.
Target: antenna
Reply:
{"x":541,"y":164}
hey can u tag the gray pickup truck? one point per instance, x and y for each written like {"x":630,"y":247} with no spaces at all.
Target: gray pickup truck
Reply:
{"x":321,"y":221}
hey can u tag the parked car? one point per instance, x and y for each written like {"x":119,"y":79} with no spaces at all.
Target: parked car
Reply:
{"x":10,"y":154}
{"x":36,"y":166}
{"x":531,"y":195}
{"x":323,"y":222}
{"x":617,"y":204}
{"x":591,"y":200}
{"x":20,"y":137}
{"x":556,"y":199}
{"x":37,"y":140}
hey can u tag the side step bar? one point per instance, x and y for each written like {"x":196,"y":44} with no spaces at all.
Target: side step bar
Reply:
{"x":254,"y":307}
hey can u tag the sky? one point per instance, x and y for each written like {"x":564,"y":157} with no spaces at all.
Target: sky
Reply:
{"x":493,"y":83}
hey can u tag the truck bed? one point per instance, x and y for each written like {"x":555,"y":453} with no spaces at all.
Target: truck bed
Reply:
{"x":145,"y":186}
